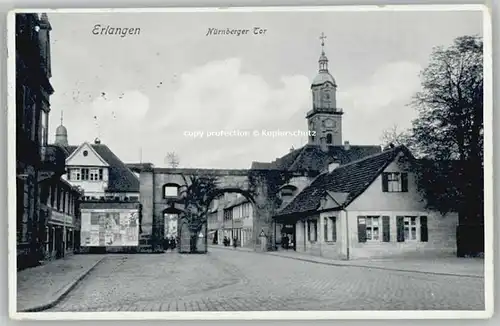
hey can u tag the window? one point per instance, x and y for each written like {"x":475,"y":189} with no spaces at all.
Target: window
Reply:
{"x":85,"y":153}
{"x":75,"y":174}
{"x":288,"y":191}
{"x":101,"y":174}
{"x":246,"y":210}
{"x":312,"y":229}
{"x":170,"y":190}
{"x":85,"y":174}
{"x":228,"y":214}
{"x":328,"y":138}
{"x":94,"y":174}
{"x":134,"y":198}
{"x":395,"y":182}
{"x":44,"y":128}
{"x":372,"y":228}
{"x":410,"y":228}
{"x":330,"y":229}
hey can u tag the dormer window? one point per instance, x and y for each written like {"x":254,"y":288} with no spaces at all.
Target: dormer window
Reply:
{"x":287,"y":192}
{"x":170,"y":190}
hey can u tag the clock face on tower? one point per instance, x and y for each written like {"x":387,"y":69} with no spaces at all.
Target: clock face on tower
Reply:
{"x":330,"y":123}
{"x":326,"y":96}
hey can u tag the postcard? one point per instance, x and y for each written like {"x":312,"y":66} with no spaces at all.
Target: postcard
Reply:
{"x":263,"y":163}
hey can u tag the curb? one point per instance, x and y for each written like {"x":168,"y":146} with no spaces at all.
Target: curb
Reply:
{"x":355,"y":265}
{"x":64,"y":293}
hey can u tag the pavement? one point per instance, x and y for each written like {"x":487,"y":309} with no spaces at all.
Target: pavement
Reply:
{"x":467,"y":267}
{"x":230,"y":280}
{"x":40,"y":288}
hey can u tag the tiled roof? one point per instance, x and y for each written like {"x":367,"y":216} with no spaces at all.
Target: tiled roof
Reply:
{"x":121,"y":178}
{"x":313,"y":158}
{"x":351,"y":179}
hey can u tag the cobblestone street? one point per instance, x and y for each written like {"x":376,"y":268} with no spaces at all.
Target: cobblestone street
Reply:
{"x":225,"y":280}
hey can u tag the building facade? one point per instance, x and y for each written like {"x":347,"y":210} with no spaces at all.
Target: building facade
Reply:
{"x":232,"y":220}
{"x":109,"y":220}
{"x":59,"y":206}
{"x":36,"y":160}
{"x":370,"y":208}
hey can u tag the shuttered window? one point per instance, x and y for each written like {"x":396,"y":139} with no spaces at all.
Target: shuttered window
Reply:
{"x":395,"y":182}
{"x":400,"y":225}
{"x":361,"y":229}
{"x":386,"y":228}
{"x":412,"y":228}
{"x":424,"y":233}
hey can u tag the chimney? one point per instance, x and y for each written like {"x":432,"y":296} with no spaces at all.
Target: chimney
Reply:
{"x":292,"y":149}
{"x":347,"y":146}
{"x":322,"y":144}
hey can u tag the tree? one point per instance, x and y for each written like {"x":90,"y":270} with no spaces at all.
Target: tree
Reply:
{"x":172,"y":159}
{"x":195,"y":196}
{"x":395,"y":136}
{"x":449,"y":126}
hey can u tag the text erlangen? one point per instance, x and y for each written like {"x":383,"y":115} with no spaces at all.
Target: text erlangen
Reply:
{"x":119,"y":31}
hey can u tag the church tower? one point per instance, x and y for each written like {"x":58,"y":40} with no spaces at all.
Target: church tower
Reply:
{"x":61,"y":134}
{"x":325,"y":119}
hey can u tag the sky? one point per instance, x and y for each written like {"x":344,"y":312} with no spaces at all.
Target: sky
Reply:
{"x":146,"y":95}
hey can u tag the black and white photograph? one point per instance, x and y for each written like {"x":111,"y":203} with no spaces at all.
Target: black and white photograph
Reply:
{"x":250,"y":163}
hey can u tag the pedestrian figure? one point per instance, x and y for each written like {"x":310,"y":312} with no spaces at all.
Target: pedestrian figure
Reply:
{"x":285,"y":242}
{"x":166,"y":243}
{"x":172,"y":243}
{"x":235,"y":242}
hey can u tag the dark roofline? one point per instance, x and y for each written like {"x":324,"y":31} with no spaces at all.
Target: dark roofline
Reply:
{"x":396,"y":151}
{"x":349,"y":200}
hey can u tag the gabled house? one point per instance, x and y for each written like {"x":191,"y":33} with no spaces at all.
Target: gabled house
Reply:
{"x":365,"y":209}
{"x":110,"y":210}
{"x":103,"y":176}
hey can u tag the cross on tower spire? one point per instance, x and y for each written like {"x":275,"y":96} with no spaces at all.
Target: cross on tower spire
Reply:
{"x":322,"y":38}
{"x":61,"y":117}
{"x":323,"y":60}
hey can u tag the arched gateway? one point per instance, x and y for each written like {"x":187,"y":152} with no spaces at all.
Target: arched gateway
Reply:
{"x":159,"y":193}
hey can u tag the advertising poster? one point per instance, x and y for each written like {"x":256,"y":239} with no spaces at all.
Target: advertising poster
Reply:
{"x":110,"y":229}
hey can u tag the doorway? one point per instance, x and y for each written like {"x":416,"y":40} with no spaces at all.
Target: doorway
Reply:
{"x":288,"y":233}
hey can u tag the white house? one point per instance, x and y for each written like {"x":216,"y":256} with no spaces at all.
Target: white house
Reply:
{"x":110,"y":193}
{"x":100,"y":173}
{"x":369,"y":208}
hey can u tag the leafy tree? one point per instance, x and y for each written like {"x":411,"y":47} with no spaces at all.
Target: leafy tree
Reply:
{"x":449,"y":126}
{"x":195,"y":196}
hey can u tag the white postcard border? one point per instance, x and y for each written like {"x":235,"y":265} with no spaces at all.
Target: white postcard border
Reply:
{"x":260,"y":315}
